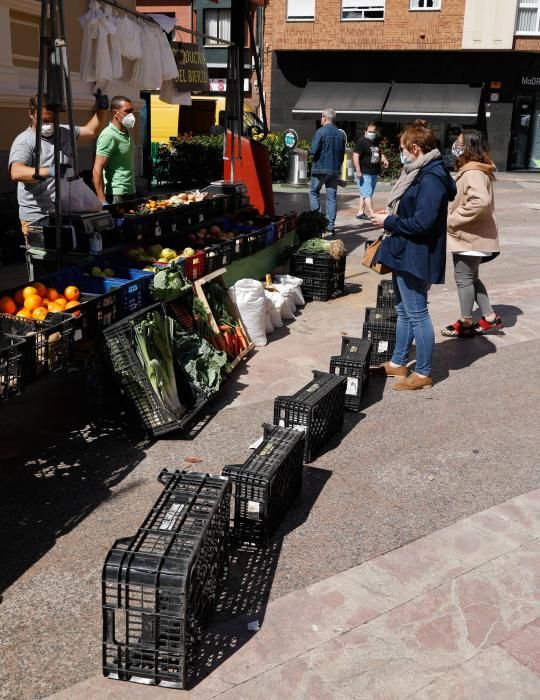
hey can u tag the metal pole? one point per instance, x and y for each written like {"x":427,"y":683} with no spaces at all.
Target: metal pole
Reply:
{"x":43,"y":55}
{"x":67,"y":87}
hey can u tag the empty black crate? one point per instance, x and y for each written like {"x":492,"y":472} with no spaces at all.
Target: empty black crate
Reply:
{"x":383,"y":339}
{"x":159,"y":586}
{"x":353,"y":363}
{"x":385,"y":294}
{"x":219,"y":255}
{"x":373,"y":314}
{"x":11,"y":365}
{"x":264,"y":486}
{"x":317,"y":408}
{"x":155,"y":418}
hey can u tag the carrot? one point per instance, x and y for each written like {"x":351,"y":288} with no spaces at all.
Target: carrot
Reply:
{"x":242,"y":336}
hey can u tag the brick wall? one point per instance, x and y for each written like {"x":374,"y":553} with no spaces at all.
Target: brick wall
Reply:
{"x":400,"y":30}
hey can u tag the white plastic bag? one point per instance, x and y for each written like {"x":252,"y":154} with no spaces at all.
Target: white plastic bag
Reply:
{"x":248,"y":295}
{"x":274,"y":302}
{"x":78,"y":198}
{"x":268,"y":325}
{"x":296,"y":287}
{"x":289,"y":307}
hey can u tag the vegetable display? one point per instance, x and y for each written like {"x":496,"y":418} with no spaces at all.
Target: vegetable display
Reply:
{"x":170,"y":284}
{"x":318,"y":246}
{"x":206,"y":366}
{"x":310,"y":224}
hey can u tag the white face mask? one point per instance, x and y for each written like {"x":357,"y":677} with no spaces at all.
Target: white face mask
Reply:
{"x":405,"y":157}
{"x":128,"y":121}
{"x":457,"y":149}
{"x":47,"y":130}
{"x":371,"y":135}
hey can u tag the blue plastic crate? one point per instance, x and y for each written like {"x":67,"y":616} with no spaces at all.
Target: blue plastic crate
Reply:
{"x":134,"y":294}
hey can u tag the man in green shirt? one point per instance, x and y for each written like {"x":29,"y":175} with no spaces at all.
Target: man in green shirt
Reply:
{"x":114,"y":167}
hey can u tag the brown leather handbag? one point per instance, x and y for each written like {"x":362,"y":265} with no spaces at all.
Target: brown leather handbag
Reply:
{"x":369,"y":258}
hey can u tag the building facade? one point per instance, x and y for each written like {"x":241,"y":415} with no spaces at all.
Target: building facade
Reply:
{"x":452,"y":62}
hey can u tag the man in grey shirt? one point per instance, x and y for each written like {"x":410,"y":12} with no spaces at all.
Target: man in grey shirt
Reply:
{"x":36,"y":197}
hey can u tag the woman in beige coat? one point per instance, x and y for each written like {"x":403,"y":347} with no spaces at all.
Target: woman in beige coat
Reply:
{"x":472,"y":233}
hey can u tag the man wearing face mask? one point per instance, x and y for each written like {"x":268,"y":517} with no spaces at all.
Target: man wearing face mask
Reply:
{"x":114,"y":167}
{"x":367,"y":159}
{"x":36,"y":197}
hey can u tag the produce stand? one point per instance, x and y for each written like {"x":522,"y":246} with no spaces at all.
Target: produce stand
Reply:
{"x":259,"y":264}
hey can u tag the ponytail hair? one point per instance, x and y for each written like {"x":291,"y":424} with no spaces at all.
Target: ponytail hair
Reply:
{"x":420,"y":134}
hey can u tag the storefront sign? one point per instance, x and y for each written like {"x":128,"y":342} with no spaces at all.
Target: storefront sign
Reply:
{"x":290,"y":138}
{"x":192,"y":68}
{"x":530,"y":80}
{"x":220,"y":85}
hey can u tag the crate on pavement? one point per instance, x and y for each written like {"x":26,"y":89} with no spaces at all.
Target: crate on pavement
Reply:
{"x":131,"y":376}
{"x":317,"y":409}
{"x":266,"y":484}
{"x":383,"y":339}
{"x":385,"y":294}
{"x":323,"y":289}
{"x":384,"y":313}
{"x":48,"y":344}
{"x":323,"y":275}
{"x":11,"y":366}
{"x":159,"y":586}
{"x":353,"y":363}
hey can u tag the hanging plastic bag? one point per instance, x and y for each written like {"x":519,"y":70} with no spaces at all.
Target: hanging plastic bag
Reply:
{"x":248,"y":295}
{"x":78,"y":198}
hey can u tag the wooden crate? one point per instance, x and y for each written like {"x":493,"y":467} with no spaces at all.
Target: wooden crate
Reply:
{"x":217,"y":276}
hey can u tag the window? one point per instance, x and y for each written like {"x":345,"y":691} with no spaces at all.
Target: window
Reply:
{"x":528,"y":20}
{"x":217,"y":23}
{"x":300,"y":10}
{"x":353,"y":10}
{"x":424,"y":4}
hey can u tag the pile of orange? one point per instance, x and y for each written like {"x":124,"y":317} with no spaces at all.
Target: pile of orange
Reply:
{"x":38,"y":301}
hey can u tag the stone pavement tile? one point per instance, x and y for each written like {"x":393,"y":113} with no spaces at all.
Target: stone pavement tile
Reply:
{"x":401,"y":651}
{"x":524,"y":646}
{"x":491,"y":675}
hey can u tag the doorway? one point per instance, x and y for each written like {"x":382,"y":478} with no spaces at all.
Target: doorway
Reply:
{"x":525,"y":140}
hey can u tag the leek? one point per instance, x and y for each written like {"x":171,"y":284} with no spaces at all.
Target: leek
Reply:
{"x":153,"y":336}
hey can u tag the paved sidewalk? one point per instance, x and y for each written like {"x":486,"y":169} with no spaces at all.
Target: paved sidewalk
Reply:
{"x":453,"y":615}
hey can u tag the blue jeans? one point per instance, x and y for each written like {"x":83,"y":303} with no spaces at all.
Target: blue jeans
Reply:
{"x":413,"y":322}
{"x":330,"y":181}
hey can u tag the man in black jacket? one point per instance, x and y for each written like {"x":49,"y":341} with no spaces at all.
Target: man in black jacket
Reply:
{"x":327,"y":149}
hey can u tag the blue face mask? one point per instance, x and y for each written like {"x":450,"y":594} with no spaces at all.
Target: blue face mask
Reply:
{"x":405,"y":158}
{"x":371,"y":135}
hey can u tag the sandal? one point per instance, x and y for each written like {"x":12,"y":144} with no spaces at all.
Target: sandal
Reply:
{"x":458,"y":330}
{"x":482,"y":326}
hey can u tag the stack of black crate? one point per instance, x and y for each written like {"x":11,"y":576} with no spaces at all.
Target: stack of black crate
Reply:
{"x":353,"y":363}
{"x":380,"y":324}
{"x":323,"y":275}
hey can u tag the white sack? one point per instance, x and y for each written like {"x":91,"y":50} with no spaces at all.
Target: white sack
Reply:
{"x":248,"y":295}
{"x":275,"y":313}
{"x":296,"y":284}
{"x":268,"y":325}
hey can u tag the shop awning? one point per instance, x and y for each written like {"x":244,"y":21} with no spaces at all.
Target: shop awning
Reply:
{"x":435,"y":103}
{"x":364,"y":100}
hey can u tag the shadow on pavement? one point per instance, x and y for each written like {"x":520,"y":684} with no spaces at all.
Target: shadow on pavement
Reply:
{"x":244,"y":598}
{"x":508,"y":313}
{"x":458,"y":353}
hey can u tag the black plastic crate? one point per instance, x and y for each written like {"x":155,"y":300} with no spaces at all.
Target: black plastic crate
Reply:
{"x":159,"y":586}
{"x":353,"y":363}
{"x":219,"y":255}
{"x":48,"y":344}
{"x":11,"y":366}
{"x":290,"y":221}
{"x":383,"y":339}
{"x":253,"y":241}
{"x":266,"y":484}
{"x":317,"y":409}
{"x":148,"y":408}
{"x":323,"y":289}
{"x":374,"y":314}
{"x":318,"y":267}
{"x":385,"y":294}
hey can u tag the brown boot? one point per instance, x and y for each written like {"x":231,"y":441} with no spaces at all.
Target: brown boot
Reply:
{"x":413,"y":382}
{"x":388,"y":371}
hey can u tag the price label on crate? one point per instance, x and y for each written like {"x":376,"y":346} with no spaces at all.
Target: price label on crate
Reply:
{"x":253,"y":510}
{"x":173,"y":227}
{"x":201,"y":218}
{"x":382,"y":346}
{"x":352,"y":386}
{"x":139,"y":236}
{"x":157,"y":230}
{"x":309,"y":261}
{"x":77,"y":335}
{"x":169,"y":519}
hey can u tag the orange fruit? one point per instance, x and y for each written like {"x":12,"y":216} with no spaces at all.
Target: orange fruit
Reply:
{"x":24,"y":313}
{"x":71,"y":305}
{"x":72,"y":293}
{"x":29,"y":292}
{"x":55,"y":308}
{"x":40,"y":314}
{"x":52,"y":294}
{"x":18,"y":298}
{"x":61,"y":302}
{"x":33,"y":301}
{"x":7,"y":306}
{"x":40,"y":288}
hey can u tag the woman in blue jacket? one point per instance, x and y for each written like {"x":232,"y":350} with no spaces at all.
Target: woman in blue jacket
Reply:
{"x":415,"y":250}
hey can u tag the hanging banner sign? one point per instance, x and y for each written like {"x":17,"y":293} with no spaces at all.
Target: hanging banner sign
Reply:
{"x":192,"y":68}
